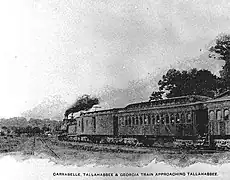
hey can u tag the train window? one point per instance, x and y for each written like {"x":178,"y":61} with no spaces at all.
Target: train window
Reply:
{"x":162,"y":119}
{"x":211,"y":115}
{"x":129,"y":120}
{"x":167,"y":118}
{"x":177,"y":118}
{"x":189,"y":117}
{"x":182,"y":118}
{"x":133,"y":120}
{"x":218,"y":115}
{"x":226,"y":114}
{"x":153,"y":119}
{"x":146,"y":120}
{"x":94,"y":124}
{"x":172,"y":118}
{"x":149,"y":119}
{"x":141,"y":120}
{"x":86,"y":122}
{"x":137,"y":122}
{"x":158,"y":118}
{"x":126,"y":121}
{"x":121,"y":121}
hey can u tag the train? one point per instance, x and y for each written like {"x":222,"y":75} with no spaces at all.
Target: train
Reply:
{"x":191,"y":121}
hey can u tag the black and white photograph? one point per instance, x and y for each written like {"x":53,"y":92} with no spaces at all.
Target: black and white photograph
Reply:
{"x":105,"y":89}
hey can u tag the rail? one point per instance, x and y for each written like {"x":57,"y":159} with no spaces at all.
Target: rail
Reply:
{"x":49,"y":148}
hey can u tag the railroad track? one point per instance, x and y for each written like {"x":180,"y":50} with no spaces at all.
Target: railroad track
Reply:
{"x":41,"y":145}
{"x":133,"y":149}
{"x":37,"y":144}
{"x":43,"y":141}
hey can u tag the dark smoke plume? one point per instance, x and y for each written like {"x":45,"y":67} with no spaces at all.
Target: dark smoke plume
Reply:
{"x":83,"y":103}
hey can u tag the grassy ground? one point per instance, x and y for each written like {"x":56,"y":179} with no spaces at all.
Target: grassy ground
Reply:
{"x":73,"y":154}
{"x":10,"y":144}
{"x":68,"y":153}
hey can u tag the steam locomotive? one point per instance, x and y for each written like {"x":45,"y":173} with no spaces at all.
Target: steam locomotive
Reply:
{"x":186,"y":121}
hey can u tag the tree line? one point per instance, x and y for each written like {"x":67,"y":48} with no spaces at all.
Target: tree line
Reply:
{"x":198,"y":82}
{"x":29,"y":130}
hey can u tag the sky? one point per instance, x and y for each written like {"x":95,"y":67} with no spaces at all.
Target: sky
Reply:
{"x":53,"y":51}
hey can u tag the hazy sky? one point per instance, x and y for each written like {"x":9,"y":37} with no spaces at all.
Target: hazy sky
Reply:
{"x":58,"y":49}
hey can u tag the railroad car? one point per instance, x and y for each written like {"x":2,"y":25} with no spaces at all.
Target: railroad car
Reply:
{"x":219,"y":120}
{"x":94,"y":126}
{"x":165,"y":120}
{"x":187,"y":121}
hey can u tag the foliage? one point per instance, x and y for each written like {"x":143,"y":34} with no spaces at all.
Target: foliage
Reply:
{"x":194,"y":82}
{"x":36,"y":130}
{"x":221,"y":48}
{"x":28,"y":129}
{"x":156,"y":95}
{"x":221,"y":51}
{"x":45,"y":128}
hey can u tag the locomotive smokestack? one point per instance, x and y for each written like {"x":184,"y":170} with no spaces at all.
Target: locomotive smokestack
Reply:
{"x":83,"y":103}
